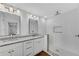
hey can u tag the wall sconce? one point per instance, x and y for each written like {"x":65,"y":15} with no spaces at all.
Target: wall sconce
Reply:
{"x":37,"y":18}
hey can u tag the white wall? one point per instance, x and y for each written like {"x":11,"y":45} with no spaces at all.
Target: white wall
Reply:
{"x":25,"y":24}
{"x":66,"y":40}
{"x":42,"y":26}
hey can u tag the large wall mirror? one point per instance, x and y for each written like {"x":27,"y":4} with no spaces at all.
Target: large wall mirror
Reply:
{"x":33,"y":26}
{"x":10,"y":24}
{"x":12,"y":28}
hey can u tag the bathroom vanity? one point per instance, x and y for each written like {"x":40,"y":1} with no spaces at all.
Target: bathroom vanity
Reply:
{"x":13,"y":43}
{"x":21,"y":46}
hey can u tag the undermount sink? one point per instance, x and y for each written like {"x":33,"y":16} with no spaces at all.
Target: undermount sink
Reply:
{"x":5,"y":40}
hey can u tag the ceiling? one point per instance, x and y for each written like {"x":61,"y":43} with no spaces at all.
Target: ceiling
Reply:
{"x":45,"y":9}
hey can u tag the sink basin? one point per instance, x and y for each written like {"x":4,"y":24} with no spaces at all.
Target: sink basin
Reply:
{"x":5,"y":40}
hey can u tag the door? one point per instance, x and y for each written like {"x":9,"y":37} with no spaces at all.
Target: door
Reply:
{"x":38,"y":45}
{"x":57,"y":35}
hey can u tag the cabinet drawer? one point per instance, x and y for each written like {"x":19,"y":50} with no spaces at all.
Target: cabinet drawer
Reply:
{"x":12,"y":50}
{"x":29,"y":54}
{"x":28,"y":50}
{"x":28,"y":44}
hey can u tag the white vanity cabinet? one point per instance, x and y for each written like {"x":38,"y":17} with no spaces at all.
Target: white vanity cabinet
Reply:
{"x":24,"y":48}
{"x":28,"y":48}
{"x":38,"y":45}
{"x":11,"y":50}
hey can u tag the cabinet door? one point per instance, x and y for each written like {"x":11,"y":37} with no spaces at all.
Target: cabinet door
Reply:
{"x":17,"y":49}
{"x":38,"y":45}
{"x":4,"y":52}
{"x":11,"y":50}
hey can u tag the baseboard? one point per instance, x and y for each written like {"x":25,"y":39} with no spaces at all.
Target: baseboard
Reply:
{"x":48,"y":53}
{"x":53,"y":53}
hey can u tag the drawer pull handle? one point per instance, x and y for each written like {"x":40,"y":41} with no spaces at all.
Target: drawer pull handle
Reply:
{"x":11,"y":51}
{"x":29,"y":47}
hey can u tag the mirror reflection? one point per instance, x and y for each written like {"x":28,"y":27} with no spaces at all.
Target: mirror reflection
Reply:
{"x":9,"y":24}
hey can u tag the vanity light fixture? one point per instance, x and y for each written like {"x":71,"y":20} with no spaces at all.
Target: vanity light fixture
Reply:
{"x":1,"y":6}
{"x":58,"y":12}
{"x":18,"y":11}
{"x":8,"y":8}
{"x":37,"y":17}
{"x":31,"y":15}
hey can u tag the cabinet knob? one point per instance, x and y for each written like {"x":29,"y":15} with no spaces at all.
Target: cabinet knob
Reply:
{"x":11,"y":51}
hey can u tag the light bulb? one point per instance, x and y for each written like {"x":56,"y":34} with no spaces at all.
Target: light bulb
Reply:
{"x":18,"y":11}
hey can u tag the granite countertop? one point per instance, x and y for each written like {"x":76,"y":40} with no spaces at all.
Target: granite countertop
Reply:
{"x":16,"y":39}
